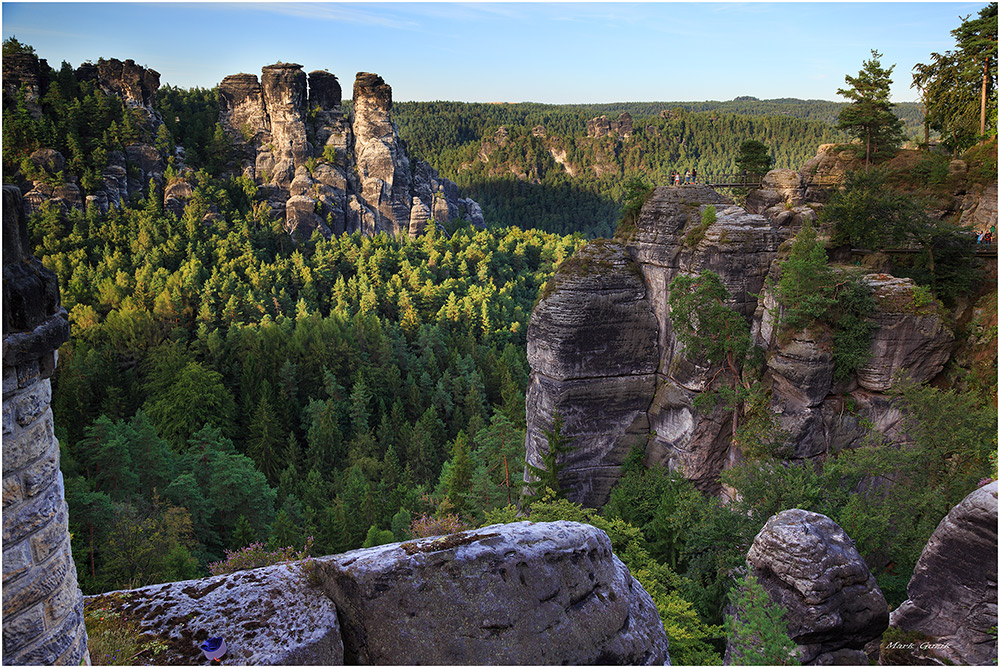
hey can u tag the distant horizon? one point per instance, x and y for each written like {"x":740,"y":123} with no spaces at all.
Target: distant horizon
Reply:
{"x":507,"y":53}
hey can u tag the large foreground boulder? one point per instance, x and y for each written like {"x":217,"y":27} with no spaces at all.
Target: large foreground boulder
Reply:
{"x":951,"y":613}
{"x":523,"y":593}
{"x":515,"y":594}
{"x":808,"y":565}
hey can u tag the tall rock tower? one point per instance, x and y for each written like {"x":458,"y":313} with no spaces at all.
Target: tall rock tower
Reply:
{"x":42,"y":604}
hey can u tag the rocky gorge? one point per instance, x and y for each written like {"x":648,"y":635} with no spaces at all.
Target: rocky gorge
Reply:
{"x":601,"y":335}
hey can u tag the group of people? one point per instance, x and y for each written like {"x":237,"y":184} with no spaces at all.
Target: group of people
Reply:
{"x":689,"y":176}
{"x":986,"y":236}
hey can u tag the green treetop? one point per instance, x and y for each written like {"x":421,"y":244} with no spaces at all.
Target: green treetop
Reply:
{"x":869,"y":117}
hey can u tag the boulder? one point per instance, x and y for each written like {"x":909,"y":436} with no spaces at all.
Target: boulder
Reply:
{"x":809,"y":566}
{"x":952,"y":604}
{"x":267,"y":616}
{"x":515,"y":594}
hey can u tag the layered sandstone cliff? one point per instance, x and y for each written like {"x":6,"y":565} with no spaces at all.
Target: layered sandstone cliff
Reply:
{"x":323,"y":169}
{"x":603,"y":353}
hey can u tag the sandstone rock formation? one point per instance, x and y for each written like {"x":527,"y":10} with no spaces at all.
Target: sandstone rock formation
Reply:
{"x":593,"y":354}
{"x":322,"y":170}
{"x":951,"y":611}
{"x":590,"y":352}
{"x":809,"y":566}
{"x":524,"y":593}
{"x":636,"y":386}
{"x":516,"y":594}
{"x":602,"y":127}
{"x":268,"y":616}
{"x":127,"y":174}
{"x":42,"y":605}
{"x":25,"y":72}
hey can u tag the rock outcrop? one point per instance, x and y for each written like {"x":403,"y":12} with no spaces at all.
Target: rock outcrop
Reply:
{"x":268,"y":616}
{"x":951,"y":612}
{"x":593,"y":354}
{"x":581,"y":352}
{"x":602,"y":127}
{"x":323,"y":170}
{"x":515,"y":594}
{"x":42,"y":605}
{"x":809,"y":566}
{"x":591,"y":349}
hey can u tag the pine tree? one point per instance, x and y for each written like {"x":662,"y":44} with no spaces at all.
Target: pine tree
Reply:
{"x":758,"y":634}
{"x":547,"y":475}
{"x":869,"y":117}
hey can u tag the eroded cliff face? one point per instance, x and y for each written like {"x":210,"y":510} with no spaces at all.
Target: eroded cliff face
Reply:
{"x":603,"y":353}
{"x":321,"y":169}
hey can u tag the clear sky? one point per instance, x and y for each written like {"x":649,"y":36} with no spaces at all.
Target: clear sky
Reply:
{"x":560,"y":52}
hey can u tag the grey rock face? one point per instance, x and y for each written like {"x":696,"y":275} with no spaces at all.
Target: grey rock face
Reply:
{"x":268,"y":617}
{"x":358,"y":177}
{"x":592,"y":350}
{"x":383,"y":167}
{"x":581,"y":379}
{"x":911,"y":340}
{"x":807,"y":564}
{"x":516,"y":594}
{"x":953,"y":593}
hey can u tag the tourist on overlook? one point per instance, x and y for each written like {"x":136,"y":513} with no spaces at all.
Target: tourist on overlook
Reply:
{"x":694,"y":175}
{"x":687,"y":176}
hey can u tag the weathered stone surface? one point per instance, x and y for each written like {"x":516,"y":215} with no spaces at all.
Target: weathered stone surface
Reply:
{"x":953,"y":593}
{"x":135,"y":84}
{"x":301,"y":219}
{"x":979,"y":208}
{"x":25,"y":71}
{"x":592,"y":351}
{"x":516,"y":594}
{"x":912,"y":339}
{"x":383,"y":167}
{"x":283,"y":87}
{"x":358,"y":177}
{"x":808,"y":565}
{"x":42,"y":624}
{"x":324,"y":90}
{"x":268,"y":616}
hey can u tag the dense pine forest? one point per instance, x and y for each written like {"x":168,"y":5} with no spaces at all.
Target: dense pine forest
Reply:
{"x":228,"y":388}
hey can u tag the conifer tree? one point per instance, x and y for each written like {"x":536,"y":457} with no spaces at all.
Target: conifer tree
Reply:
{"x":758,"y":633}
{"x":553,"y":460}
{"x":869,"y":116}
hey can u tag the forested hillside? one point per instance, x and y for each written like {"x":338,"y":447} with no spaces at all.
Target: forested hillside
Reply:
{"x":223,"y":387}
{"x":544,"y":170}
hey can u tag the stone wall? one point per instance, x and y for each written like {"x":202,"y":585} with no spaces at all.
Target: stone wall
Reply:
{"x":42,"y":604}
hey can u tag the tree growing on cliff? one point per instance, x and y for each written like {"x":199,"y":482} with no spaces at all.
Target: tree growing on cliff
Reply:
{"x":711,"y":330}
{"x":869,"y":116}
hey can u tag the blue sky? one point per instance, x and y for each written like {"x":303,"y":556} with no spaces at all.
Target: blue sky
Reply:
{"x":488,"y":52}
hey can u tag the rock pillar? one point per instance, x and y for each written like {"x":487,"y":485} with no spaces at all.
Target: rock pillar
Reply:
{"x":42,"y":604}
